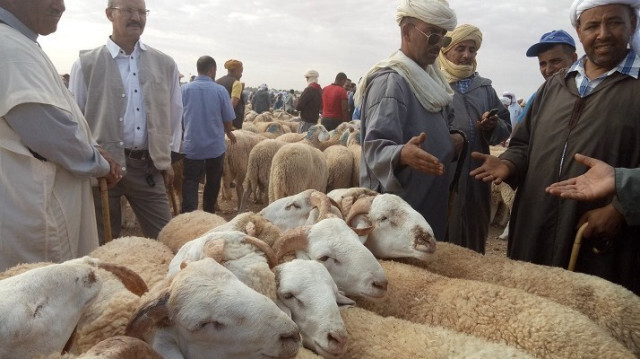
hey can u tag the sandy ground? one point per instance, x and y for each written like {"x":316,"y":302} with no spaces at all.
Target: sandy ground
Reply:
{"x":227,"y":209}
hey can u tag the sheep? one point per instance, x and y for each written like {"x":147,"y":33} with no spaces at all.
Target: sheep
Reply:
{"x":291,"y":125}
{"x":538,"y":326}
{"x":346,"y":197}
{"x":188,"y":226}
{"x":41,"y":307}
{"x":263,"y":117}
{"x":297,"y":210}
{"x":271,"y":129}
{"x":353,"y":144}
{"x":118,"y":347}
{"x":259,"y":169}
{"x":250,"y":126}
{"x":295,"y":168}
{"x":393,"y":229}
{"x":235,"y":161}
{"x":291,"y":137}
{"x":339,"y":167}
{"x":611,"y":306}
{"x":331,"y":242}
{"x":249,"y":115}
{"x":248,"y":258}
{"x":375,"y":337}
{"x":204,"y":311}
{"x":253,"y":224}
{"x":146,"y":257}
{"x":309,"y":294}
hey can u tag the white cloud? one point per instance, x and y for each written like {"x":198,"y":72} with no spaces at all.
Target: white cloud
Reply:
{"x":279,"y":40}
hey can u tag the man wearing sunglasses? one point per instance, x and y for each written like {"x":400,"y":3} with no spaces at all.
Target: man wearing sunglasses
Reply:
{"x":407,"y":147}
{"x":130,"y":95}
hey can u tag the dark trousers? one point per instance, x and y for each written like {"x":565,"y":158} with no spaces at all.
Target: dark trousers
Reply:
{"x":330,"y":123}
{"x":150,"y":204}
{"x":211,"y":168}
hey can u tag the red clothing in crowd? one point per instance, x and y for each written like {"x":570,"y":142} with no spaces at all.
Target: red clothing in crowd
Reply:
{"x":332,"y":97}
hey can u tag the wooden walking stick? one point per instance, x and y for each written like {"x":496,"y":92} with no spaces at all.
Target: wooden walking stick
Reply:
{"x":106,"y":215}
{"x":174,"y":200}
{"x":577,"y":243}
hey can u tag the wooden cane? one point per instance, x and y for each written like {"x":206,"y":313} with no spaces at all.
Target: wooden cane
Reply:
{"x":577,"y":243}
{"x":174,"y":200}
{"x":106,"y":215}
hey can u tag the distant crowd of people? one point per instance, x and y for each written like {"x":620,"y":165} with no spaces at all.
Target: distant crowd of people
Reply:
{"x":427,"y":119}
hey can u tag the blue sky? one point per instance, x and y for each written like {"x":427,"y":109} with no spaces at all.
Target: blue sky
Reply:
{"x":278,"y":40}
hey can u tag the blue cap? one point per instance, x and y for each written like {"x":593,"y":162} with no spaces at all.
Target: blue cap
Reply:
{"x":553,"y":37}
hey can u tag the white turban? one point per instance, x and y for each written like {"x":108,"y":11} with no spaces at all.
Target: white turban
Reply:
{"x":580,"y":6}
{"x":434,"y":12}
{"x":312,"y":76}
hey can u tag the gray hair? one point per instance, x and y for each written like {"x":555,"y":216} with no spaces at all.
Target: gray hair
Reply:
{"x":111,"y":3}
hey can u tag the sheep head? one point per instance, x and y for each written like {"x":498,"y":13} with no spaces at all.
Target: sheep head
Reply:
{"x":206,"y":312}
{"x":300,"y":209}
{"x":397,"y":230}
{"x":308,"y":292}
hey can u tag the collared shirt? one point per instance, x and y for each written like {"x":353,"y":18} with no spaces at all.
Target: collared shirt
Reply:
{"x":135,"y":123}
{"x":629,"y":66}
{"x":207,"y":106}
{"x":463,"y":85}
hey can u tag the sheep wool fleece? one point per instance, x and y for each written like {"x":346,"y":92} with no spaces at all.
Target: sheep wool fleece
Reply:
{"x":46,"y":212}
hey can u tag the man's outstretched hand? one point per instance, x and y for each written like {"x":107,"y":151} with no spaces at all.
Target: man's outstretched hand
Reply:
{"x":414,"y":156}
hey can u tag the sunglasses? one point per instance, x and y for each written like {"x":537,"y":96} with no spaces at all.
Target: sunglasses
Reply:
{"x":435,"y":38}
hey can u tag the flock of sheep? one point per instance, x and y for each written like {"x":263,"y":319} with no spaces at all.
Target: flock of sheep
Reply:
{"x":326,"y":269}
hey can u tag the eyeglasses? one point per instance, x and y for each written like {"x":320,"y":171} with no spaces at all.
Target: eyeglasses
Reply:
{"x":130,"y":11}
{"x":434,"y":38}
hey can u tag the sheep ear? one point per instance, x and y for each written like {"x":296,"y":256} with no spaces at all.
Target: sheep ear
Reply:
{"x":344,"y":301}
{"x":149,"y":316}
{"x":130,"y":279}
{"x":361,"y":207}
{"x":363,"y":233}
{"x":292,"y":240}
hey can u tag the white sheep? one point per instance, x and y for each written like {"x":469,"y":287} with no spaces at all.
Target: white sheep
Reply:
{"x":310,"y":296}
{"x":271,"y":129}
{"x":392,"y":228}
{"x":235,"y":161}
{"x":204,"y":311}
{"x":533,"y":324}
{"x":295,"y":168}
{"x":298,"y":209}
{"x":248,"y":258}
{"x":249,"y":115}
{"x":41,"y":307}
{"x":118,"y":347}
{"x":188,"y":226}
{"x":354,"y":269}
{"x":613,"y":307}
{"x":258,"y":170}
{"x":253,"y":224}
{"x":339,"y":167}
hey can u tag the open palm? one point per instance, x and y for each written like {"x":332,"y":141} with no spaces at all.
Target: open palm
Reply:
{"x":598,"y":182}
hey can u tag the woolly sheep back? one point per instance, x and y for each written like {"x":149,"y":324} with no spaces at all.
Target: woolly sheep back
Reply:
{"x":188,"y":226}
{"x":297,"y":167}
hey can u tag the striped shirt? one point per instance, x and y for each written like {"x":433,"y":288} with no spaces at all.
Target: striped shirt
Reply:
{"x":629,"y":66}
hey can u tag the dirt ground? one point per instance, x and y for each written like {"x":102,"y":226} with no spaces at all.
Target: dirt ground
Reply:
{"x":227,"y":210}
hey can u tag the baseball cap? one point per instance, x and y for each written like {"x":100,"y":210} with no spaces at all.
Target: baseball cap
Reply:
{"x":553,"y":37}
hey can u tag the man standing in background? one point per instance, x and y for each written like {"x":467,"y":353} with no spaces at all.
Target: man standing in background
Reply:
{"x":335,"y":109}
{"x":207,"y":116}
{"x":130,"y":95}
{"x":310,"y":102}
{"x":231,"y":82}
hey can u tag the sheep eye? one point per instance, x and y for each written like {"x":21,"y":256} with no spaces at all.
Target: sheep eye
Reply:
{"x":216,"y":325}
{"x":287,"y":296}
{"x":323,"y":258}
{"x":292,"y":205}
{"x":383,"y":218}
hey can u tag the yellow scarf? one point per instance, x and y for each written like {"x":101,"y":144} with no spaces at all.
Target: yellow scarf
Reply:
{"x":454,"y":72}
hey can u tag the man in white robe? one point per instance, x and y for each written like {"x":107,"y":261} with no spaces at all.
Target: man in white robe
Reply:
{"x":46,"y":152}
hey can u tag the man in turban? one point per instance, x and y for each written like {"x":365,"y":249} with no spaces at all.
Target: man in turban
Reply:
{"x":473,"y":98}
{"x":590,"y":108}
{"x":407,"y":146}
{"x":231,"y":82}
{"x":261,"y":100}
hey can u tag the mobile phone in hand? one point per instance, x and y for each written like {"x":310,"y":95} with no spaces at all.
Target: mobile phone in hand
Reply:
{"x":492,"y":112}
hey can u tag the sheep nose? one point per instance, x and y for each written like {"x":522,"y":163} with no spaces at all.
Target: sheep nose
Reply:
{"x":337,"y":342}
{"x":380,"y":284}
